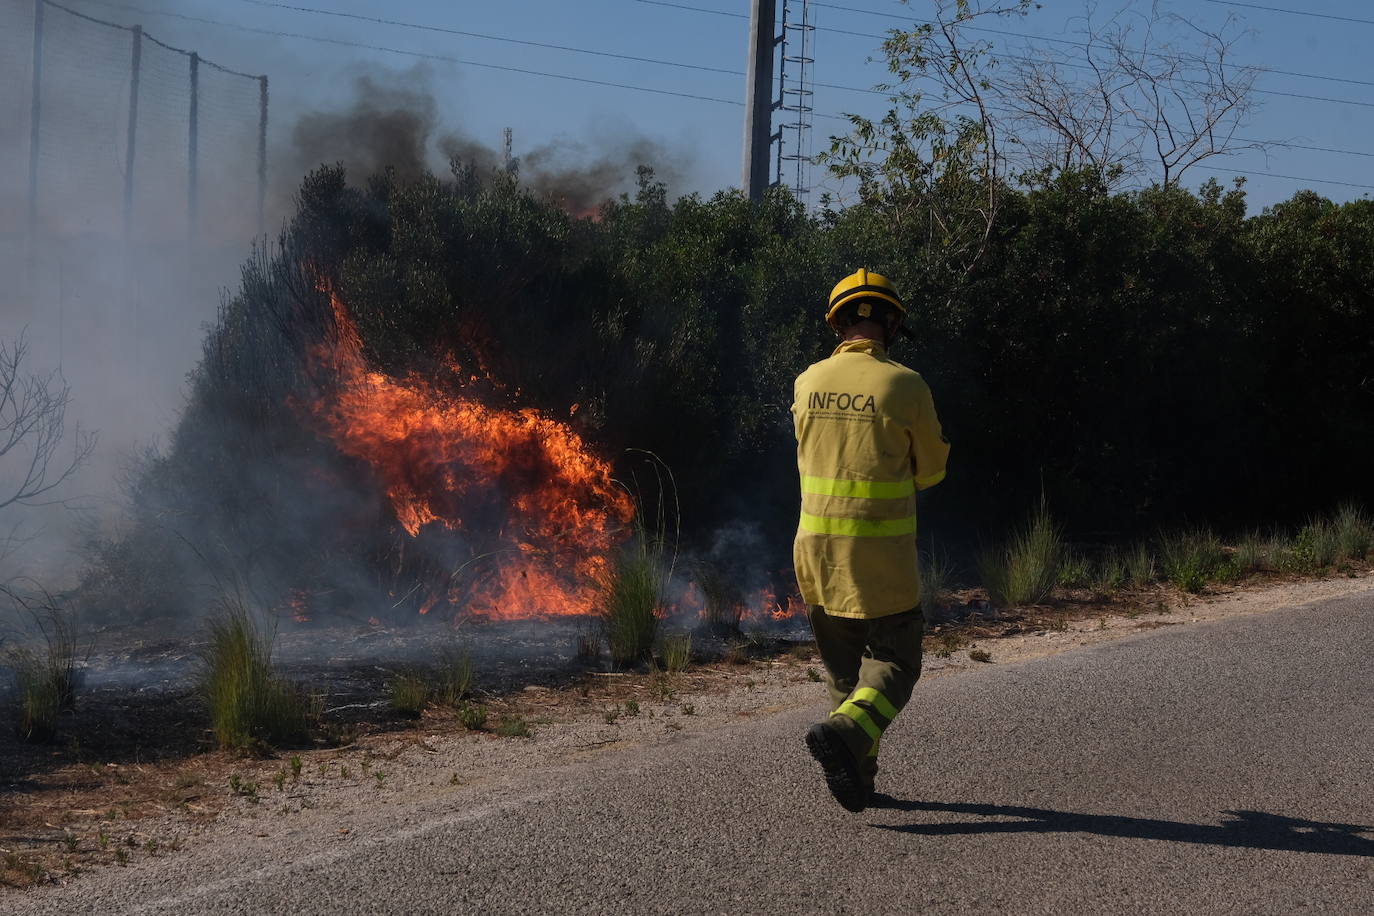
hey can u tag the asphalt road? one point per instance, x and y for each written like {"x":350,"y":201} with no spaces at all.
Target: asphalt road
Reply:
{"x":1214,"y":768}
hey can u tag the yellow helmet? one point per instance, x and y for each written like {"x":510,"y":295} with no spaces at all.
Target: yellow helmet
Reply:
{"x":862,"y":284}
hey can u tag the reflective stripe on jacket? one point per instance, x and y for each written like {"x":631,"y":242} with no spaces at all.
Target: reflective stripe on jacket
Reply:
{"x":867,"y":439}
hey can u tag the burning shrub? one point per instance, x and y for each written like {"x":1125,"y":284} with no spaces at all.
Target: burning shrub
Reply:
{"x":249,"y":704}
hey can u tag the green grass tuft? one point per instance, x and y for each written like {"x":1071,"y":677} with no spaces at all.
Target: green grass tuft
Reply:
{"x":722,"y":601}
{"x":409,"y":695}
{"x":1192,"y":558}
{"x":1354,"y":533}
{"x":677,"y":652}
{"x":249,"y":704}
{"x":453,"y":680}
{"x":631,"y":599}
{"x":1026,"y":569}
{"x":935,"y":575}
{"x":46,"y":681}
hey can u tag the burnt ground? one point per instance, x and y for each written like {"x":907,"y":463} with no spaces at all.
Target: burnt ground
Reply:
{"x":137,"y":750}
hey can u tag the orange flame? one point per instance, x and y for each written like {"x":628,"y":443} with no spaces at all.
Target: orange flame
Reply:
{"x":539,"y":511}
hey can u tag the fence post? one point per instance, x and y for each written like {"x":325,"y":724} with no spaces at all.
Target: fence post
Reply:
{"x":35,"y":113}
{"x":262,"y":153}
{"x":193,"y":150}
{"x":133,"y":131}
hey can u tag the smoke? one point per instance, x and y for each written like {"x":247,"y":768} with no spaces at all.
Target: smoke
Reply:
{"x":394,"y":119}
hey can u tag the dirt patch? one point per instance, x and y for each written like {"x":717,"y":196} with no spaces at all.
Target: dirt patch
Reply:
{"x":138,"y":780}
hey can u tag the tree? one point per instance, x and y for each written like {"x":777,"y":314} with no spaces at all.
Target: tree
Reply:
{"x":1142,"y":97}
{"x":33,"y":432}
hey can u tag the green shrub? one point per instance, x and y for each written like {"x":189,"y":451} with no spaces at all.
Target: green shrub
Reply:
{"x":1026,"y":569}
{"x":248,"y":703}
{"x":677,"y":652}
{"x":1191,"y":558}
{"x":454,"y":677}
{"x":409,"y":695}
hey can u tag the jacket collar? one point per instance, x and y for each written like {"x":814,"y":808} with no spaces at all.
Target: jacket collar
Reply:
{"x":862,"y":345}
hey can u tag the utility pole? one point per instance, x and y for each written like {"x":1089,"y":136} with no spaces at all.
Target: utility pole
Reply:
{"x":758,"y":102}
{"x":262,"y":154}
{"x":193,"y":152}
{"x":131,"y":147}
{"x":35,"y":113}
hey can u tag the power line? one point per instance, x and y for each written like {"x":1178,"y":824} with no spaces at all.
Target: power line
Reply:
{"x":1279,"y":9}
{"x":423,"y":27}
{"x":1348,"y":184}
{"x":1041,"y":38}
{"x":418,"y":54}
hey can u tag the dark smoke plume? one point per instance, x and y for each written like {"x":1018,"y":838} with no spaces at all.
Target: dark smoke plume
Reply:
{"x":394,"y":120}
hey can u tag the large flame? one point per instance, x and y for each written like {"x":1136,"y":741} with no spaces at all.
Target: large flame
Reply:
{"x":536,"y":512}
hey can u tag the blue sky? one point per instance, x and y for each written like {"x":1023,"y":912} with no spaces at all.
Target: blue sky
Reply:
{"x":704,"y":135}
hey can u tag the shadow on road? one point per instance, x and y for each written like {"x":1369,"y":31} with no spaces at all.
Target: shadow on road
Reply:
{"x":1245,"y":829}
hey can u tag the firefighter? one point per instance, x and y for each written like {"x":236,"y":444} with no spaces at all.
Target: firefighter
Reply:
{"x":868,"y":439}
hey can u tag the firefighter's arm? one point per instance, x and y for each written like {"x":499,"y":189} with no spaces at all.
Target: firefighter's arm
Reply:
{"x":929,"y":448}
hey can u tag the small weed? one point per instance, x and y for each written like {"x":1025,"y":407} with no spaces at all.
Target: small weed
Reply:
{"x":409,"y":695}
{"x":296,"y":766}
{"x":244,"y":788}
{"x":947,"y":642}
{"x":279,"y":780}
{"x":980,"y":655}
{"x":70,"y":841}
{"x":341,"y":734}
{"x":473,"y":716}
{"x":345,"y":772}
{"x":380,"y":777}
{"x":632,"y":708}
{"x":610,"y":715}
{"x":121,"y":856}
{"x":661,"y":686}
{"x":677,"y":652}
{"x":152,"y":846}
{"x":1058,"y":623}
{"x":813,"y":675}
{"x":454,"y":780}
{"x":688,"y":709}
{"x":513,"y":726}
{"x":103,"y":839}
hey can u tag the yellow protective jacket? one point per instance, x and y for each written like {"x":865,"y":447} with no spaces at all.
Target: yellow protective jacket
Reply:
{"x":867,"y":440}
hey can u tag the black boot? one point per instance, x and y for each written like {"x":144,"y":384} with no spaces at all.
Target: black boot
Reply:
{"x":844,"y":775}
